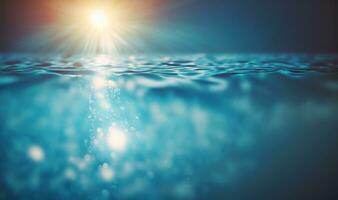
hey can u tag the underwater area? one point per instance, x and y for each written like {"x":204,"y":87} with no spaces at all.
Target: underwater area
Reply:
{"x":194,"y":126}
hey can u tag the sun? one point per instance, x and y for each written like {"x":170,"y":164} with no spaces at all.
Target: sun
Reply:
{"x":98,"y":19}
{"x":98,"y":28}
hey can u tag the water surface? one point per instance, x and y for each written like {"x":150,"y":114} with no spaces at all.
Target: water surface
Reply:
{"x":168,"y":127}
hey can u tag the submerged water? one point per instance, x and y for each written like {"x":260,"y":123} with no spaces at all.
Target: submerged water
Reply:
{"x":168,"y":127}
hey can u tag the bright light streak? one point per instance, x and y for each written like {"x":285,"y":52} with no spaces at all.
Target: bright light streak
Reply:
{"x":99,"y":19}
{"x":100,"y":82}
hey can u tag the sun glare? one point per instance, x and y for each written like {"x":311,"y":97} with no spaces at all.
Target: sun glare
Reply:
{"x":98,"y":28}
{"x":99,"y":19}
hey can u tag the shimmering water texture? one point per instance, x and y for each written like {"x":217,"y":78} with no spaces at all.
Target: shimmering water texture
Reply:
{"x":168,"y":127}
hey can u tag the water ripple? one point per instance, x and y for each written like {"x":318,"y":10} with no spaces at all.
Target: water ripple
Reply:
{"x":197,"y":68}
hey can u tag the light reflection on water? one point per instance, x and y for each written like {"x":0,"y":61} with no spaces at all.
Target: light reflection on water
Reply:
{"x":182,"y":127}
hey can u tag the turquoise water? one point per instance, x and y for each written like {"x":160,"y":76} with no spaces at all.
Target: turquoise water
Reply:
{"x":168,"y":127}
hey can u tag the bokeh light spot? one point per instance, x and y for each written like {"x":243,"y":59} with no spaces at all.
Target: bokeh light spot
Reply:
{"x":116,"y":139}
{"x":106,"y":172}
{"x":36,"y":153}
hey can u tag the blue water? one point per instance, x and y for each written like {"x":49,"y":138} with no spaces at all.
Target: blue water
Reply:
{"x":168,"y":127}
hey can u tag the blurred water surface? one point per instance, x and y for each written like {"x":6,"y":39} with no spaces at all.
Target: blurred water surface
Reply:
{"x":168,"y":127}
